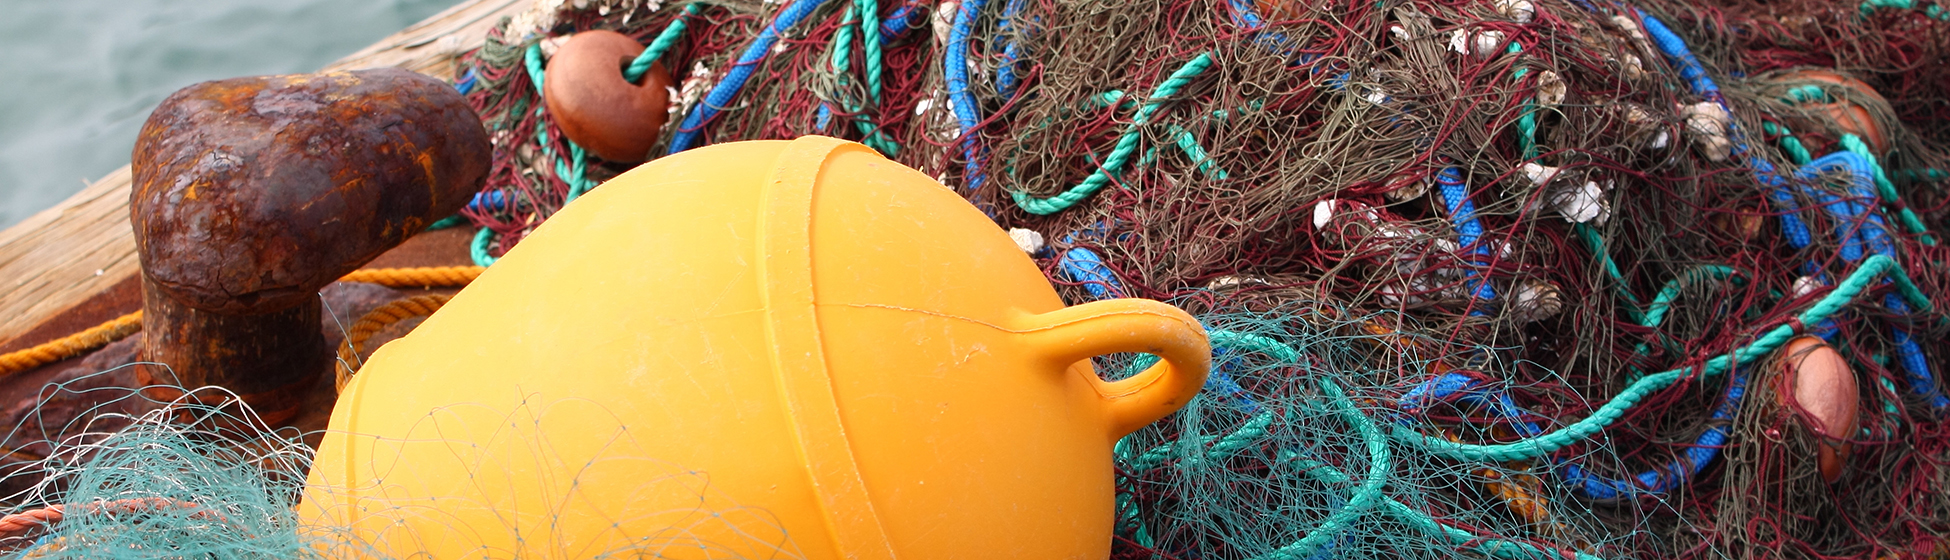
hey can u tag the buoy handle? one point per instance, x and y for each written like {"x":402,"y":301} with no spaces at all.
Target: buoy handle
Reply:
{"x":1078,"y":333}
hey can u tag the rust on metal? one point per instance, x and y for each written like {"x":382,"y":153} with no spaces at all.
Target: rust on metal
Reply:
{"x":252,"y":193}
{"x":599,"y":110}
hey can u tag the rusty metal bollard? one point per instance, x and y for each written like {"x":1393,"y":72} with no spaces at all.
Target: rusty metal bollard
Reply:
{"x":250,"y":194}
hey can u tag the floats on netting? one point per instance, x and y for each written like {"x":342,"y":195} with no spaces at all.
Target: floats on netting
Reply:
{"x":1595,"y":227}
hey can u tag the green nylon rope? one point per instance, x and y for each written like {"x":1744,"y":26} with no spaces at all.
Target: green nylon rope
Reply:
{"x":1186,"y":142}
{"x":1527,"y":142}
{"x":1807,"y":93}
{"x":843,"y":46}
{"x":1930,"y":174}
{"x":870,"y":44}
{"x":1527,"y":122}
{"x":1499,"y":548}
{"x":850,"y":25}
{"x":1254,"y":343}
{"x":1933,"y":11}
{"x":573,"y":171}
{"x":1887,"y":190}
{"x":1790,"y":144}
{"x":1366,"y":496}
{"x":1246,"y":436}
{"x":1655,"y":314}
{"x":1596,"y":243}
{"x":1248,"y":432}
{"x":664,"y":41}
{"x":1872,"y":268}
{"x":1379,"y":455}
{"x":532,"y":60}
{"x":1126,"y":144}
{"x":479,"y":248}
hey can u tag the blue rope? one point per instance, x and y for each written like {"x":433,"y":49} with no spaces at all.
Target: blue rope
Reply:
{"x":1086,"y":267}
{"x":1858,"y":238}
{"x":1676,"y":52}
{"x":1675,"y":473}
{"x":1465,"y":387}
{"x":1864,"y":232}
{"x":1246,"y":17}
{"x":489,"y":201}
{"x":955,"y":67}
{"x":1764,"y":172}
{"x":1872,"y":232}
{"x":1469,"y":232}
{"x":1706,"y":447}
{"x":466,"y":82}
{"x":1005,"y":72}
{"x":727,"y":89}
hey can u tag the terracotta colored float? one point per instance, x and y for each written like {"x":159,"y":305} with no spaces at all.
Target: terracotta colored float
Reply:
{"x":1846,"y":115}
{"x":1818,"y":384}
{"x":596,"y":107}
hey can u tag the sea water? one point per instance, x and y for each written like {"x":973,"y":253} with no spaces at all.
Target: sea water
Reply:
{"x":78,"y":77}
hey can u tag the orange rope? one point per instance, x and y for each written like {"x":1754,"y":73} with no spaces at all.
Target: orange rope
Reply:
{"x":427,"y":277}
{"x":121,"y":327}
{"x":351,"y":354}
{"x":71,"y":345}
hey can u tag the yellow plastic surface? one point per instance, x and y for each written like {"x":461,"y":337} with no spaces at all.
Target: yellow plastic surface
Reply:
{"x":751,"y":350}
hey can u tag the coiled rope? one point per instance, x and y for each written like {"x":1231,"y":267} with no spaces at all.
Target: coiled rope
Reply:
{"x":353,"y":354}
{"x":121,"y":327}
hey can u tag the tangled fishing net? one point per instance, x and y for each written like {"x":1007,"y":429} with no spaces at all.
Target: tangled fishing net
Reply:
{"x":139,"y":478}
{"x":1499,"y":278}
{"x":1486,"y":278}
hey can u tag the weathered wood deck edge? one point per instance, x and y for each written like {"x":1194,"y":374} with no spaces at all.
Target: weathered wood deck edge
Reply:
{"x":64,"y":255}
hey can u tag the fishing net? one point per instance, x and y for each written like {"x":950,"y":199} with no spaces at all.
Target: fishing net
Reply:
{"x":1486,"y":278}
{"x":1488,"y":223}
{"x":140,"y":478}
{"x":1287,"y":454}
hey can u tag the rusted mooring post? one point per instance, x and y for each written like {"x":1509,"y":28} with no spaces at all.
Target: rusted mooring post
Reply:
{"x":250,"y":194}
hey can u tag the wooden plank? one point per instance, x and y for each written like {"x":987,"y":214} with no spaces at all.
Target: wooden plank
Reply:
{"x":64,"y":255}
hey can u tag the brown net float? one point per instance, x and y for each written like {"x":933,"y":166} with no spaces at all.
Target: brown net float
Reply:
{"x":596,"y":107}
{"x":1848,"y":105}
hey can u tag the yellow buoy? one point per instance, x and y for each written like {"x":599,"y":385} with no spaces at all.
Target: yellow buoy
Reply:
{"x":758,"y":349}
